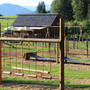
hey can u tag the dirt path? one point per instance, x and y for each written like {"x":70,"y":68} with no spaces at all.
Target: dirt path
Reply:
{"x":27,"y":87}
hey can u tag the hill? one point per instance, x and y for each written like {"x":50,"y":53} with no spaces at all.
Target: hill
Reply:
{"x":11,"y":9}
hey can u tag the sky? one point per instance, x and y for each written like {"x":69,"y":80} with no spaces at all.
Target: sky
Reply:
{"x":26,"y":2}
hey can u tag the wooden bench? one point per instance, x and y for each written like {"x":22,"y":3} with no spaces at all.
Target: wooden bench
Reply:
{"x":31,"y":70}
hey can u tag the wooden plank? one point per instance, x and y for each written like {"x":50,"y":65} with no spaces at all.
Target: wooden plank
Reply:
{"x":30,"y":40}
{"x":32,"y":70}
{"x":0,"y":59}
{"x":61,"y":87}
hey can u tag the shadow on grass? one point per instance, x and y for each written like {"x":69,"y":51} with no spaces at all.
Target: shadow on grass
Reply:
{"x":55,"y":83}
{"x":78,"y":86}
{"x":14,"y":80}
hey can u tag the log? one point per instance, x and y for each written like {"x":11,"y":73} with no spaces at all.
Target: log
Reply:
{"x":32,"y":76}
{"x":19,"y":74}
{"x":46,"y":77}
{"x":31,"y":70}
{"x":7,"y":72}
{"x":55,"y":77}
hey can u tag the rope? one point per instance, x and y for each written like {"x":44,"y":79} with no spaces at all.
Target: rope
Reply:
{"x":43,"y":57}
{"x":22,"y":57}
{"x":4,"y":56}
{"x":10,"y":56}
{"x":16,"y":57}
{"x":50,"y":57}
{"x":29,"y":57}
{"x":36,"y":57}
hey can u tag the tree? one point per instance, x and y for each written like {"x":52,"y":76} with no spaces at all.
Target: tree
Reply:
{"x":88,"y":15}
{"x":80,"y":9}
{"x":63,"y":7}
{"x":0,"y":14}
{"x":41,"y":7}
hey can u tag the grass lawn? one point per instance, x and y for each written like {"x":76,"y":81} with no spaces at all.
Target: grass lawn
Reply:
{"x":76,"y":58}
{"x":5,"y":21}
{"x":80,"y":45}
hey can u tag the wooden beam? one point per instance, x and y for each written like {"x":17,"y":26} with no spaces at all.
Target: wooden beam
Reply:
{"x":57,"y":52}
{"x":0,"y":59}
{"x":66,"y":46}
{"x":62,"y":54}
{"x":31,"y":40}
{"x":73,"y":26}
{"x":7,"y":30}
{"x":31,"y":70}
{"x":64,"y":26}
{"x":87,"y":45}
{"x":74,"y":40}
{"x":81,"y":34}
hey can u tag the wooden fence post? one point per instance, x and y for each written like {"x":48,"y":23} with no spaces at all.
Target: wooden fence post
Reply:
{"x":87,"y":44}
{"x":57,"y":52}
{"x":77,"y":40}
{"x":0,"y":59}
{"x":68,"y":43}
{"x":66,"y":46}
{"x":61,"y":36}
{"x":74,"y":40}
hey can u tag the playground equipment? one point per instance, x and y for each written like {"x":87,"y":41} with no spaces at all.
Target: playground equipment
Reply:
{"x":19,"y":70}
{"x":75,"y":39}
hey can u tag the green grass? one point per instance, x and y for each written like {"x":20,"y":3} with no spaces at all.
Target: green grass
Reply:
{"x":80,"y":45}
{"x":26,"y":49}
{"x":5,"y":21}
{"x":15,"y":80}
{"x":76,"y":58}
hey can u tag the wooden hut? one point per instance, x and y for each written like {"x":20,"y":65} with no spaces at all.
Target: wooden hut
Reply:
{"x":37,"y":22}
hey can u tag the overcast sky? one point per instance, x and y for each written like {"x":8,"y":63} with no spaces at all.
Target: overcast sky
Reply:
{"x":26,"y":2}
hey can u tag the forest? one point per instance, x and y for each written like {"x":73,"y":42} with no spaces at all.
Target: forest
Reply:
{"x":75,"y":12}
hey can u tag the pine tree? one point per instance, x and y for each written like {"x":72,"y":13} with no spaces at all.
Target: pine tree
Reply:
{"x":41,"y":7}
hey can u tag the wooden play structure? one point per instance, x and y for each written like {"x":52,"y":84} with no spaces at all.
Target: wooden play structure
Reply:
{"x":33,"y":72}
{"x":77,"y":36}
{"x":76,"y":31}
